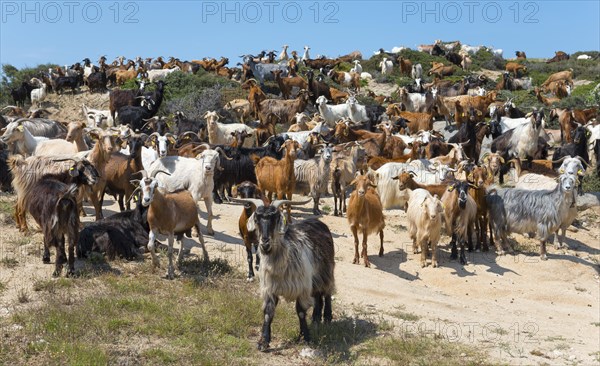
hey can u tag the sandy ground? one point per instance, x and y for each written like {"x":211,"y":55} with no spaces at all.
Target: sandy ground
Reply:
{"x":520,"y":309}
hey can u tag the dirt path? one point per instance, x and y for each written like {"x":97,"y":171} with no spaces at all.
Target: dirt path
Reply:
{"x":522,"y":310}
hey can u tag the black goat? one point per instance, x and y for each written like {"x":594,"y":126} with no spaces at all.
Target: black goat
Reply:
{"x":135,"y":116}
{"x":316,"y":88}
{"x":5,"y":174}
{"x":71,"y":82}
{"x":579,"y":147}
{"x":97,"y":81}
{"x":122,"y":234}
{"x":241,"y":167}
{"x":467,"y":133}
{"x":55,"y":210}
{"x":22,"y":93}
{"x":454,"y":57}
{"x":120,"y":98}
{"x":184,"y":124}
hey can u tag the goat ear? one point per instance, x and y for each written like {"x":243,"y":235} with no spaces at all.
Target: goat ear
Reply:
{"x":73,"y":172}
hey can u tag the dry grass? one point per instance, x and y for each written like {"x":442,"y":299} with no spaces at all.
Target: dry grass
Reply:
{"x":210,"y":315}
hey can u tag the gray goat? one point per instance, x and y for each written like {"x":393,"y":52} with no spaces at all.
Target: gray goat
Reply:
{"x":297,"y":262}
{"x":528,"y":211}
{"x":312,"y":176}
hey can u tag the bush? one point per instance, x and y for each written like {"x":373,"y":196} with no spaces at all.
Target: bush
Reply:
{"x":13,"y":77}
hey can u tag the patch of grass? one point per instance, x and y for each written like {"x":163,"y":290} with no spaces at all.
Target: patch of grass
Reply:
{"x":23,"y":296}
{"x":214,"y":321}
{"x":596,"y":324}
{"x":591,"y":183}
{"x":52,"y":285}
{"x":2,"y":287}
{"x":404,"y":315}
{"x":9,"y":262}
{"x":7,"y":207}
{"x":326,"y":209}
{"x":20,"y":240}
{"x":580,"y":289}
{"x":422,"y":350}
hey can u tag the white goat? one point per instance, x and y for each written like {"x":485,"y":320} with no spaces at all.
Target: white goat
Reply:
{"x":425,"y":213}
{"x":417,"y":71}
{"x":97,"y":118}
{"x":39,"y":95}
{"x":357,"y":67}
{"x":221,"y":134}
{"x":387,"y":66}
{"x":25,"y":143}
{"x":155,"y":75}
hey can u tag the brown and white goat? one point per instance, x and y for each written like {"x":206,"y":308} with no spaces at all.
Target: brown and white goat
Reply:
{"x":169,"y":214}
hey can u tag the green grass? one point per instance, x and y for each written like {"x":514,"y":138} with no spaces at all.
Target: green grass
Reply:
{"x":9,"y":262}
{"x":211,"y":315}
{"x":2,"y":287}
{"x":7,"y":207}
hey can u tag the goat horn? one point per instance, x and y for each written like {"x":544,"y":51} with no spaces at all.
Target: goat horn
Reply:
{"x":143,"y":172}
{"x":561,"y":159}
{"x":278,"y":203}
{"x":155,"y":173}
{"x":258,"y":203}
{"x":133,"y":194}
{"x":218,"y":148}
{"x":583,"y":161}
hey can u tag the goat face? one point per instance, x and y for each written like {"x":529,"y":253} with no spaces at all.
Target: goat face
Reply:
{"x":75,"y":129}
{"x":362,"y":183}
{"x":210,"y":162}
{"x":462,"y":189}
{"x":567,"y":182}
{"x":13,"y":132}
{"x":580,"y":134}
{"x":135,"y":146}
{"x":85,"y":171}
{"x":147,"y":186}
{"x":269,"y":223}
{"x":432,"y":207}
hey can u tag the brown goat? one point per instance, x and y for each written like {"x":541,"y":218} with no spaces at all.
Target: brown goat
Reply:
{"x":479,"y":179}
{"x":277,"y":176}
{"x":285,"y":110}
{"x":365,"y":213}
{"x":255,"y":95}
{"x":406,"y":181}
{"x":405,"y":66}
{"x":286,"y":84}
{"x":515,"y":67}
{"x":547,"y":101}
{"x":566,"y":121}
{"x":338,"y":96}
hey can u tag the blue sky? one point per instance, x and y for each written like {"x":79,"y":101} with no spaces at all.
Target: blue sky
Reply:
{"x":65,"y":32}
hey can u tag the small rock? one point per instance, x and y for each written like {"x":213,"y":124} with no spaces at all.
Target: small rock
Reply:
{"x":555,"y":354}
{"x":309,"y":353}
{"x":463,"y":355}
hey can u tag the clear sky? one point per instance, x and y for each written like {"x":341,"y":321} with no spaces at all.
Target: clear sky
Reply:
{"x":66,"y":31}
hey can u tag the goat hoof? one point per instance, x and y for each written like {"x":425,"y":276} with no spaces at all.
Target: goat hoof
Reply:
{"x":434,"y":264}
{"x":453,"y":256}
{"x":262,"y":345}
{"x":250,"y":279}
{"x":544,"y":257}
{"x":46,"y":260}
{"x":210,"y":232}
{"x":56,"y":273}
{"x":463,"y":261}
{"x":355,"y":261}
{"x":423,"y":264}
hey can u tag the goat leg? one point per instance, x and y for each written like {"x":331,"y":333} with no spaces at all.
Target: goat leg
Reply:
{"x":249,"y":258}
{"x":355,"y":234}
{"x":381,"y":243}
{"x":463,"y":258}
{"x":151,"y":240}
{"x":453,"y":249}
{"x":363,"y":254}
{"x":301,"y":311}
{"x":269,"y":305}
{"x":170,"y":269}
{"x":317,"y":314}
{"x":71,"y":258}
{"x":327,"y":312}
{"x":543,"y":250}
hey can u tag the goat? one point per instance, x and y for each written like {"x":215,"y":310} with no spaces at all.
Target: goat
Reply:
{"x":220,"y":133}
{"x":246,"y":190}
{"x":406,"y":181}
{"x":515,"y":67}
{"x":16,"y":133}
{"x":195,"y":175}
{"x":460,"y":212}
{"x":286,"y":84}
{"x":285,"y":110}
{"x":121,"y":234}
{"x":121,"y":98}
{"x":343,"y":168}
{"x":386,"y":66}
{"x":297,"y":262}
{"x":365,"y":213}
{"x":55,"y":210}
{"x":39,"y":95}
{"x":349,"y":79}
{"x":579,"y":147}
{"x":277,"y":176}
{"x":171,"y":214}
{"x":240,"y":108}
{"x":312,"y":176}
{"x":97,"y":118}
{"x":424,"y":215}
{"x":528,"y":211}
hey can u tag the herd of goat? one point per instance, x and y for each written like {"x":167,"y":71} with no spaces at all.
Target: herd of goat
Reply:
{"x":386,"y":153}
